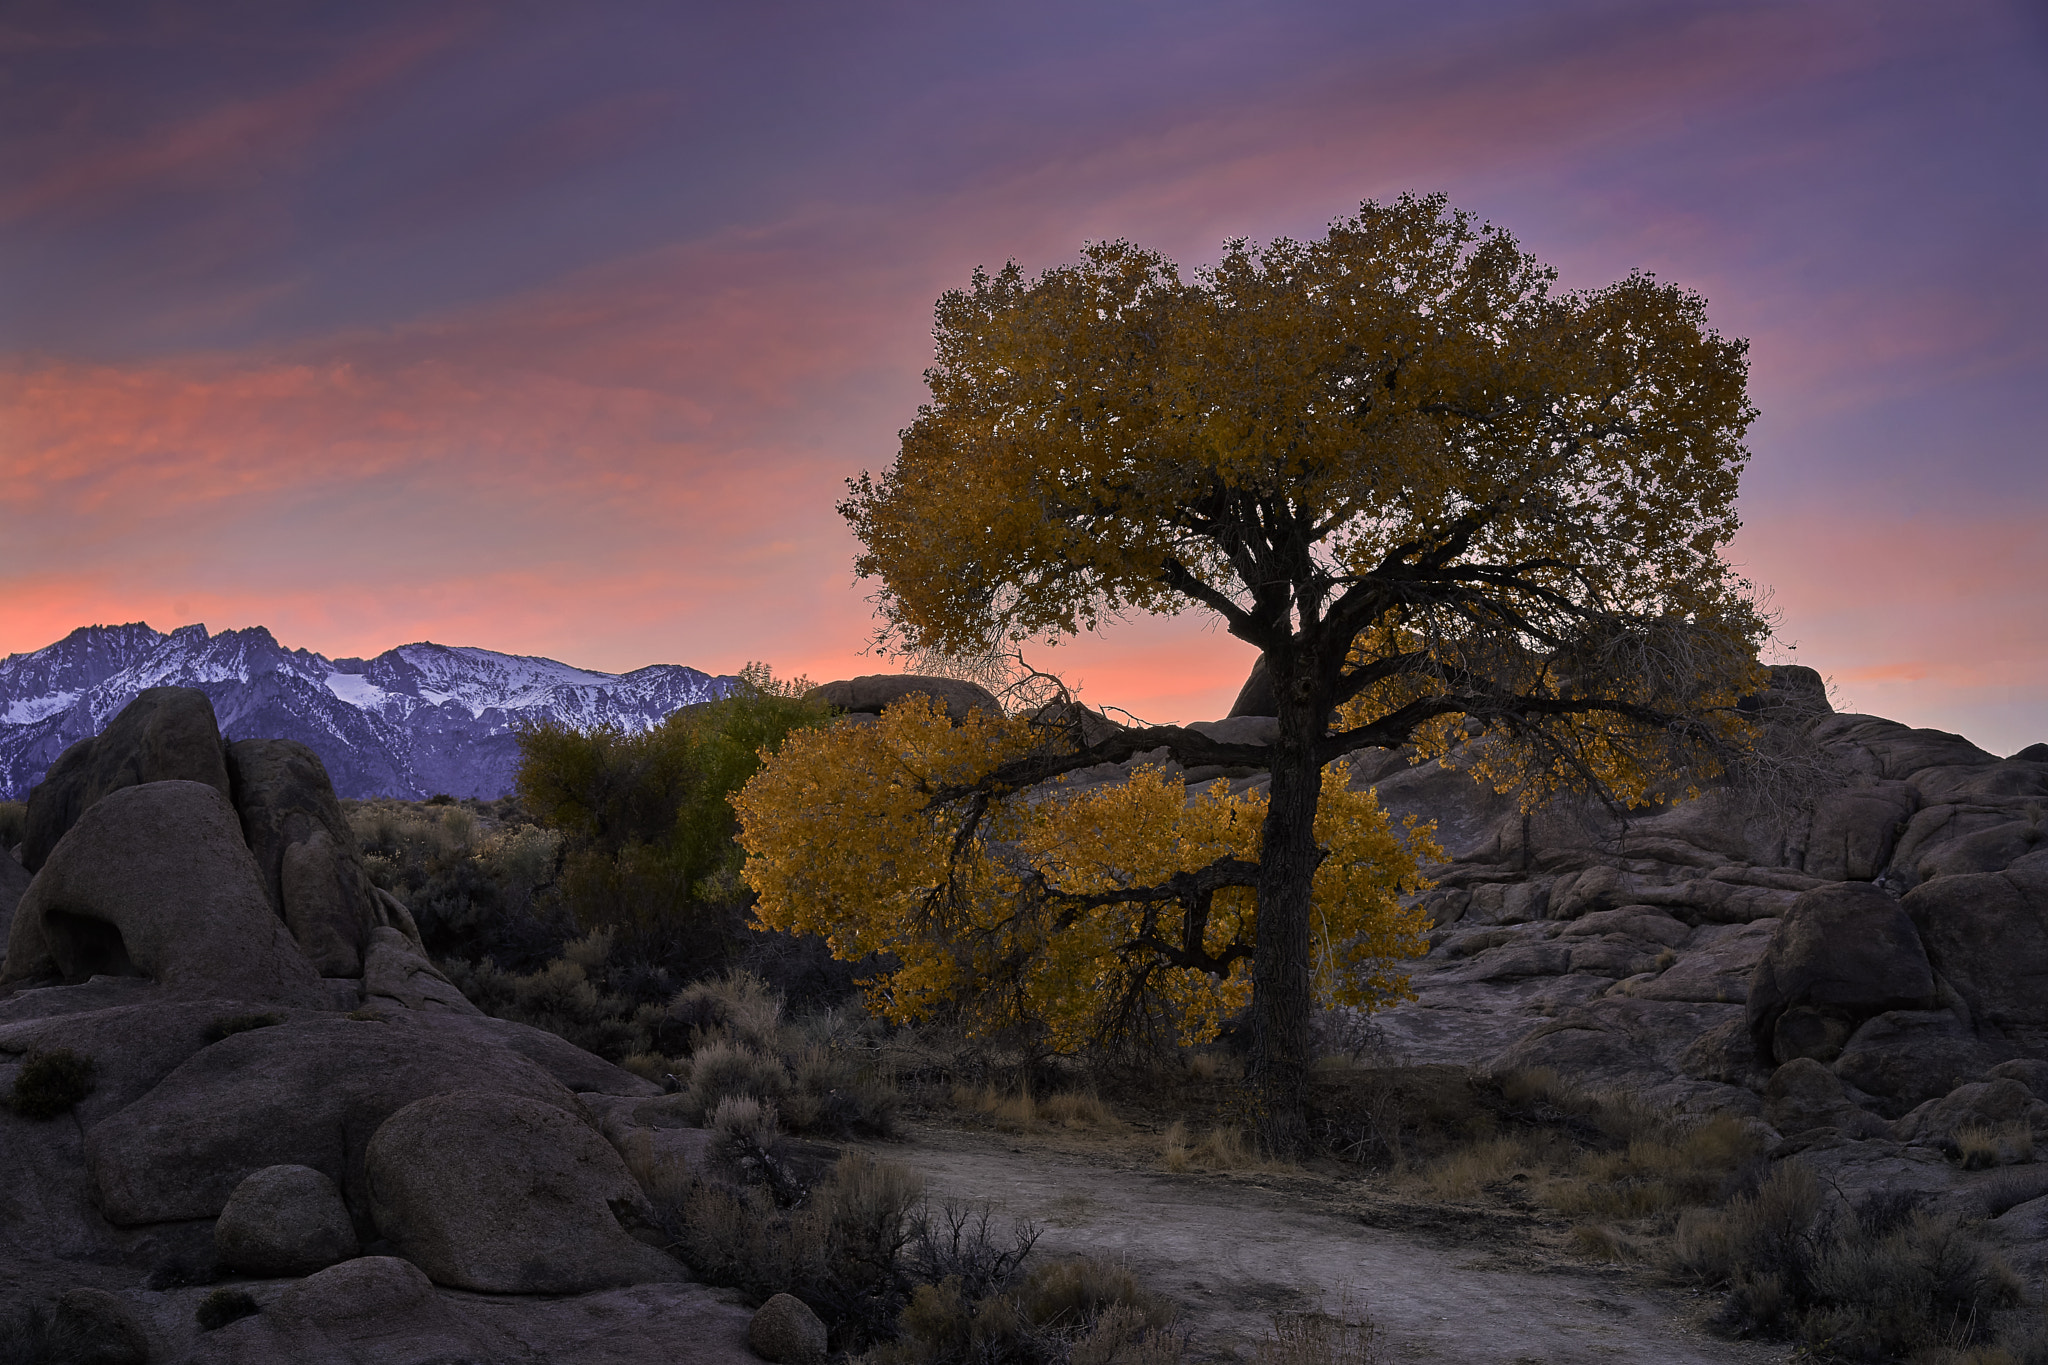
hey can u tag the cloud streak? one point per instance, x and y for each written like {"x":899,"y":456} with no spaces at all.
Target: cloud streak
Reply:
{"x":583,"y":371}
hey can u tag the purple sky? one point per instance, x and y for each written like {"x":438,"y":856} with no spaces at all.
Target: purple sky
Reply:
{"x":557,"y":329}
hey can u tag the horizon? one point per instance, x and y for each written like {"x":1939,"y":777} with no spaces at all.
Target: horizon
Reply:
{"x":562,"y":332}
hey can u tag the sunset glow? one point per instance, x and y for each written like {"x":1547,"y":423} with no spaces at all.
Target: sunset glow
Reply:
{"x":558,"y":330}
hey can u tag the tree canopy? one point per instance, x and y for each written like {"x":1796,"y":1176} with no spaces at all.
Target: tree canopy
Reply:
{"x":1445,"y":499}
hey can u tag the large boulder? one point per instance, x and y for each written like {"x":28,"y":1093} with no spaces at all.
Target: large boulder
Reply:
{"x":154,"y":881}
{"x":1903,"y":1057}
{"x":1840,"y":955}
{"x":786,"y":1332}
{"x":1987,"y":935}
{"x":166,"y":734}
{"x":284,"y":1220}
{"x":503,"y":1194}
{"x":874,"y":692}
{"x":304,"y":850}
{"x":308,"y":1092}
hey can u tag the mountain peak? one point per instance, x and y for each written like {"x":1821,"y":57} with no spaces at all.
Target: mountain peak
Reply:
{"x":414,"y":721}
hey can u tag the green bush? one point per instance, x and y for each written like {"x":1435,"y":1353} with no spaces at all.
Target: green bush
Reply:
{"x":50,"y":1083}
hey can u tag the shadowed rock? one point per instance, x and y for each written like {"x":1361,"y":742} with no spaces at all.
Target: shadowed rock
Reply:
{"x":304,"y":850}
{"x":875,"y":691}
{"x":1987,"y":934}
{"x":1844,"y":952}
{"x":154,"y":881}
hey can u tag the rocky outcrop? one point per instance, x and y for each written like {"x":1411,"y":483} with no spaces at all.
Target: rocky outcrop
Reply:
{"x":155,"y":881}
{"x":873,"y":692}
{"x":1987,"y":936}
{"x":278,"y":1078}
{"x":167,"y":734}
{"x":312,"y":1091}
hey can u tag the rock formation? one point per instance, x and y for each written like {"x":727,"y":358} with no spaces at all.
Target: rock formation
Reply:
{"x":269,"y":1080}
{"x":1842,"y":951}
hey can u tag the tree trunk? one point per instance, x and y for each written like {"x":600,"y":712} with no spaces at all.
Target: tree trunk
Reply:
{"x":1282,"y":984}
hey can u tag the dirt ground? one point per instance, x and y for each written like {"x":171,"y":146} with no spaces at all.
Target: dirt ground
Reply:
{"x":1475,"y":1285}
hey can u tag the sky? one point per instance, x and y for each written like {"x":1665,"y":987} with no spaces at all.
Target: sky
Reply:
{"x":558,"y":329}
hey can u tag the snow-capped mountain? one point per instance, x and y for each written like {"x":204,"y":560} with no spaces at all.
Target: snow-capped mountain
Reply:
{"x":412,"y":722}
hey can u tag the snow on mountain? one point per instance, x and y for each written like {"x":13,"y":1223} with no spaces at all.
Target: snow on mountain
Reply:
{"x":414,"y":721}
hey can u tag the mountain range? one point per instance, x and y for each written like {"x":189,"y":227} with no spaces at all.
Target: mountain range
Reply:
{"x":415,"y":721}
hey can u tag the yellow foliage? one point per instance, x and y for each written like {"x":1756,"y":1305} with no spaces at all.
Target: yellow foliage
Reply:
{"x":843,"y":841}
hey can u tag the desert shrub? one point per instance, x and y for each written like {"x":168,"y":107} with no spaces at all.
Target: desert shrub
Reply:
{"x":914,"y":1282}
{"x":1866,"y":1284}
{"x":1072,"y":1312}
{"x":743,"y":1134}
{"x":738,"y":1004}
{"x":1078,"y":1289}
{"x":228,"y":1025}
{"x":50,"y":1083}
{"x":835,"y":1095}
{"x":841,"y":1252}
{"x":224,"y":1306}
{"x":721,"y":1069}
{"x":560,"y":998}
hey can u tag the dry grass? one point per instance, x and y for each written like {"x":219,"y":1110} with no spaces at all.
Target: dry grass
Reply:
{"x":1077,"y":1109}
{"x":1466,"y":1171}
{"x":1023,"y":1112}
{"x":2006,"y":1144}
{"x":1010,"y":1113}
{"x":1346,"y":1336}
{"x":1223,"y":1148}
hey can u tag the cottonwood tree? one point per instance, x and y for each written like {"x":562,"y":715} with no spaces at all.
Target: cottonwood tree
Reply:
{"x":1452,"y":506}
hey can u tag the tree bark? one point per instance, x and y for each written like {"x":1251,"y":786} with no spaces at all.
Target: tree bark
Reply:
{"x":1282,"y":984}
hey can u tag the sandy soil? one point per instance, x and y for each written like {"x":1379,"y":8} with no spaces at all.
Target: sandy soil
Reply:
{"x":1475,"y":1286}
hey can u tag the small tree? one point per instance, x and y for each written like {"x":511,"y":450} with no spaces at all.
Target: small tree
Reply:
{"x":1443,"y":500}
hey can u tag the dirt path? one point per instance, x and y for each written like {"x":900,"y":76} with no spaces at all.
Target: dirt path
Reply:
{"x":1236,"y":1249}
